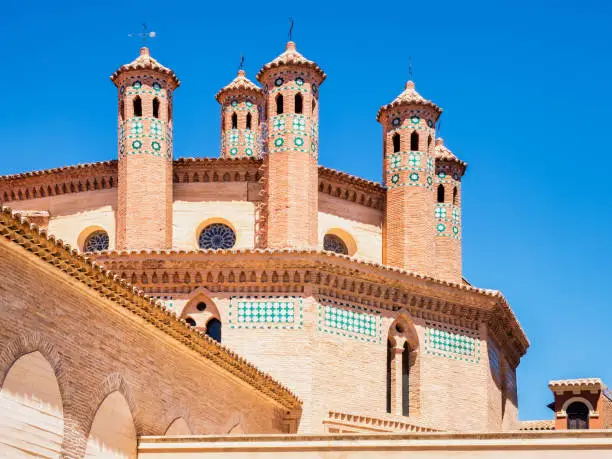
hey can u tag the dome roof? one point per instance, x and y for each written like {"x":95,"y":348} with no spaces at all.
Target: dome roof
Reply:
{"x":442,"y":153}
{"x":409,"y":96}
{"x":146,"y":62}
{"x":291,"y":57}
{"x":240,"y":83}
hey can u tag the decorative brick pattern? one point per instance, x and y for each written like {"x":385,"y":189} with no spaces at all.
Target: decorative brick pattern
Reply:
{"x":266,"y":312}
{"x":452,"y":342}
{"x":352,"y":321}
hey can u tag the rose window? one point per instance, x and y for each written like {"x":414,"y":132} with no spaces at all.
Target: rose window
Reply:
{"x":333,"y":243}
{"x":96,"y":242}
{"x":217,"y":236}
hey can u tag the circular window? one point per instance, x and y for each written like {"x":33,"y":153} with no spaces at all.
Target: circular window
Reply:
{"x":96,"y":242}
{"x":333,"y":243}
{"x":217,"y":236}
{"x":201,"y":306}
{"x":190,"y":321}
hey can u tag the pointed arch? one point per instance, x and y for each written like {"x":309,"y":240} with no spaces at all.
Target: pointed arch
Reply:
{"x":440,"y":193}
{"x":298,"y":103}
{"x":137,"y":106}
{"x":429,"y":140}
{"x":201,"y":309}
{"x":155,"y":107}
{"x":112,"y":432}
{"x":396,"y":142}
{"x":31,"y":409}
{"x":178,"y":427}
{"x":454,"y":196}
{"x":234,"y":120}
{"x":279,"y":104}
{"x":414,"y":141}
{"x":249,"y":121}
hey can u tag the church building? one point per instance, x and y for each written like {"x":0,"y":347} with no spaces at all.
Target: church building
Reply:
{"x":153,"y":303}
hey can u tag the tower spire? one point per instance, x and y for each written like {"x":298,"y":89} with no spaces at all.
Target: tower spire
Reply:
{"x":290,"y":29}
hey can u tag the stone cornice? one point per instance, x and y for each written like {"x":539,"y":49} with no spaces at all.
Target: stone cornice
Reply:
{"x":338,"y":276}
{"x":108,"y":285}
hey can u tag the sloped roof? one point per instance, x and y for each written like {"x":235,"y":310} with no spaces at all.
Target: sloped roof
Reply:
{"x":576,"y":384}
{"x":291,"y":57}
{"x":409,"y":96}
{"x":107,"y":284}
{"x":544,"y":424}
{"x":443,"y":153}
{"x":145,"y":62}
{"x":240,"y":83}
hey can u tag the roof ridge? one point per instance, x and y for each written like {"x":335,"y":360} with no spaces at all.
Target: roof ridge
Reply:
{"x":106,"y":283}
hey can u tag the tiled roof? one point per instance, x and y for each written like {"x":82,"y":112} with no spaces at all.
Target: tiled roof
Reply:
{"x":107,"y":284}
{"x":145,"y":62}
{"x":409,"y":96}
{"x":545,"y":424}
{"x":444,"y":154}
{"x":56,"y":170}
{"x":291,"y":57}
{"x":240,"y":83}
{"x":577,"y":384}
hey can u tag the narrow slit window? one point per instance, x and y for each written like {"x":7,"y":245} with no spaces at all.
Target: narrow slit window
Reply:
{"x":314,"y":105}
{"x":396,"y":143}
{"x":137,"y":106}
{"x":298,"y":103}
{"x":428,"y":143}
{"x":441,"y":193}
{"x":279,"y":104}
{"x":455,"y":196}
{"x":248,"y":121}
{"x":234,"y":121}
{"x":414,"y":141}
{"x":156,"y":108}
{"x":122,"y":110}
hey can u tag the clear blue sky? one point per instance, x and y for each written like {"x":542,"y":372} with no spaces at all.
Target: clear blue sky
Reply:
{"x":526,"y":92}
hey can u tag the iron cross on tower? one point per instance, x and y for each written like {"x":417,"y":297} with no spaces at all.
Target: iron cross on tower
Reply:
{"x":146,"y":33}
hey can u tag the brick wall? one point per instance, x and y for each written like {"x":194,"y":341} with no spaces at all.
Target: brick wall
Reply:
{"x":90,"y":341}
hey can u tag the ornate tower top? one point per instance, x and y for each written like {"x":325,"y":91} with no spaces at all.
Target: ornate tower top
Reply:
{"x":409,"y":96}
{"x":239,"y":84}
{"x":442,"y":153}
{"x":145,"y":62}
{"x":291,"y":57}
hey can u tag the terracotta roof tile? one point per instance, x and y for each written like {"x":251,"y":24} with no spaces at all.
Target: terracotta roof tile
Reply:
{"x":57,"y":170}
{"x":444,"y":154}
{"x":409,"y":96}
{"x":545,"y":424}
{"x":291,"y":57}
{"x":577,"y":384}
{"x":240,"y":83}
{"x":145,"y":62}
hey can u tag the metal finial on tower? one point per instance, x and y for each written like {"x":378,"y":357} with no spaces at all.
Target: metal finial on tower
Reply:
{"x":290,"y":29}
{"x":146,"y":33}
{"x":240,"y":67}
{"x":410,"y":68}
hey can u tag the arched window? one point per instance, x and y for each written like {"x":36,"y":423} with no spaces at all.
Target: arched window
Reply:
{"x":396,"y":142}
{"x":577,"y":416}
{"x":279,"y":104}
{"x":428,"y":142}
{"x":440,"y":193}
{"x":169,"y":111}
{"x":156,"y":108}
{"x":137,"y":106}
{"x":455,"y":196}
{"x":414,"y":141}
{"x":190,"y":321}
{"x":234,"y":121}
{"x":389,"y":362}
{"x":217,"y":236}
{"x":248,"y":121}
{"x":314,"y":105}
{"x":298,"y":103}
{"x":96,"y":241}
{"x":406,"y":380}
{"x":122,"y":110}
{"x":213,"y":329}
{"x":333,"y":243}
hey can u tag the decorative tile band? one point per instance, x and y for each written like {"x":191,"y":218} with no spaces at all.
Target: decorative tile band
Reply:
{"x":456,"y":343}
{"x":410,"y":168}
{"x":343,"y":319}
{"x":266,"y":312}
{"x":448,"y":220}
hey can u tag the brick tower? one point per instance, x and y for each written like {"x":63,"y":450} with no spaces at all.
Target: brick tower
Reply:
{"x":291,"y":87}
{"x":241,"y":117}
{"x":449,"y":170}
{"x":144,"y":208}
{"x":408,"y":173}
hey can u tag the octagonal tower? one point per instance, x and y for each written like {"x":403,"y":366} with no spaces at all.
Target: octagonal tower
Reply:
{"x":408,"y":173}
{"x":144,"y":207}
{"x":241,"y":118}
{"x":447,"y":244}
{"x":291,"y":87}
